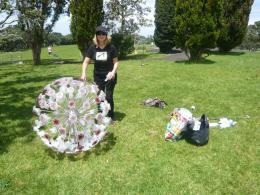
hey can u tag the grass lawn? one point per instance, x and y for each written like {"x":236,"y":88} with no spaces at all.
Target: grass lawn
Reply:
{"x":135,"y":159}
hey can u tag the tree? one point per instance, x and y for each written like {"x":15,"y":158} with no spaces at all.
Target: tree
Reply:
{"x":129,"y":14}
{"x":140,"y":40}
{"x":86,"y":15}
{"x":124,"y":18}
{"x":54,"y":38}
{"x":7,"y":9}
{"x":11,"y":39}
{"x":123,"y":43}
{"x":67,"y":40}
{"x":252,"y":39}
{"x":234,"y":24}
{"x":164,"y":34}
{"x":33,"y":16}
{"x":196,"y":26}
{"x":256,"y":28}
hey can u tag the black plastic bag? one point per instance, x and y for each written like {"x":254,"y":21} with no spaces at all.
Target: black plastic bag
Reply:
{"x":199,"y":137}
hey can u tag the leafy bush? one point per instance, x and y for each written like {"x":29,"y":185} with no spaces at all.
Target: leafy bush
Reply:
{"x":164,"y":34}
{"x":67,"y":40}
{"x":234,"y":24}
{"x":85,"y":16}
{"x":54,"y":39}
{"x":196,"y":27}
{"x":11,"y":39}
{"x":123,"y":43}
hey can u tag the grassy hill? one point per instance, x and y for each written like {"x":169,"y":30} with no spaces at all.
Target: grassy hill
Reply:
{"x":135,"y":159}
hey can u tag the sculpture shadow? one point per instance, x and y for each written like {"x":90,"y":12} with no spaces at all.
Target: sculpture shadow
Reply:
{"x":106,"y":145}
{"x":101,"y":148}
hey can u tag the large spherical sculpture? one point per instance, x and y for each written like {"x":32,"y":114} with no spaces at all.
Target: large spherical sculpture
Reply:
{"x":71,"y":115}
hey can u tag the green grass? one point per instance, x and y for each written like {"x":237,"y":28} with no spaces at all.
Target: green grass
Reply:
{"x":135,"y":159}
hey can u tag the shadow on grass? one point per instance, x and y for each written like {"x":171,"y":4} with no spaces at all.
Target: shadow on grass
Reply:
{"x":101,"y":148}
{"x":16,"y":102}
{"x":202,"y":61}
{"x":231,"y":53}
{"x":12,"y":74}
{"x":145,"y":56}
{"x":119,"y":116}
{"x":15,"y":123}
{"x":106,"y":145}
{"x":16,"y":110}
{"x":44,"y":62}
{"x":187,"y":138}
{"x":191,"y":142}
{"x":136,"y":57}
{"x":7,"y":86}
{"x":173,"y":51}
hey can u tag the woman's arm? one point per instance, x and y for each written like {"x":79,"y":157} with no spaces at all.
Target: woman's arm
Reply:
{"x":84,"y":68}
{"x":116,"y":64}
{"x":111,"y":75}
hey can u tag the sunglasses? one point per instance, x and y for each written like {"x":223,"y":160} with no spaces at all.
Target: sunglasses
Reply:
{"x":101,"y":33}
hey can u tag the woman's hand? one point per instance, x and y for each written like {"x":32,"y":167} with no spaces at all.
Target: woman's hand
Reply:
{"x":110,"y":75}
{"x":83,"y":77}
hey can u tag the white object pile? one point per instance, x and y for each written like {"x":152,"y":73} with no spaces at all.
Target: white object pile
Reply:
{"x":182,"y":120}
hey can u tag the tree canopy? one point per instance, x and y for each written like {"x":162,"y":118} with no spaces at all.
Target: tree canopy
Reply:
{"x":165,"y":33}
{"x":126,"y":16}
{"x":192,"y":25}
{"x":234,"y":23}
{"x":196,"y":26}
{"x":33,"y":19}
{"x":252,"y":39}
{"x":7,"y":10}
{"x":86,"y":15}
{"x":11,"y":39}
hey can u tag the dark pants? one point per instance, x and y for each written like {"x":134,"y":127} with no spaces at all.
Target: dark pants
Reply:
{"x":108,"y":88}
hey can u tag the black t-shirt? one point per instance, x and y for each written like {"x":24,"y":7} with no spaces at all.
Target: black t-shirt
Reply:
{"x":103,"y":58}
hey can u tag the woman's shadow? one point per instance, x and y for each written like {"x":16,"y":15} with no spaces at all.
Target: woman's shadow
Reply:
{"x":119,"y":116}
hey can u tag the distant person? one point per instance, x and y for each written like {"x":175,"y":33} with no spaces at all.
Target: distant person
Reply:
{"x":106,"y":64}
{"x":50,"y":50}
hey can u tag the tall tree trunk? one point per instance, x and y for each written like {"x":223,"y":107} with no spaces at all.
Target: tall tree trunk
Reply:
{"x":37,"y":42}
{"x":36,"y":50}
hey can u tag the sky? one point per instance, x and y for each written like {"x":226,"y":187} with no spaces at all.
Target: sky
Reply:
{"x":62,"y":25}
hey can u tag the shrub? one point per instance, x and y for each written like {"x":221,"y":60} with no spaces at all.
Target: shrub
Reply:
{"x":123,"y":43}
{"x":196,"y":27}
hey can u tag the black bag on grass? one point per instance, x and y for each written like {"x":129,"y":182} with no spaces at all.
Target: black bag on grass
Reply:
{"x":200,"y":136}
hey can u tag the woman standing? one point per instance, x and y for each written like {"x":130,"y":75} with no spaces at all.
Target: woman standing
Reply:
{"x":106,"y":64}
